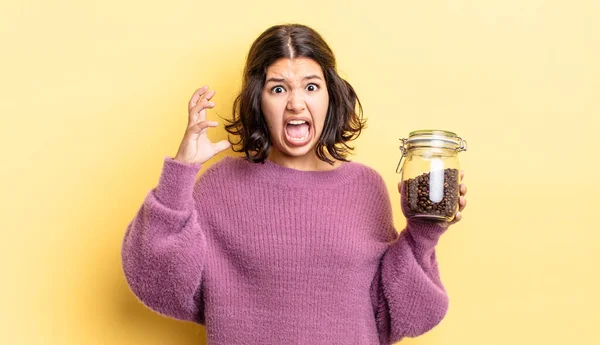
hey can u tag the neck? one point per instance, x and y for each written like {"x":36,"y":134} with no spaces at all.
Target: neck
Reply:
{"x":308,"y":162}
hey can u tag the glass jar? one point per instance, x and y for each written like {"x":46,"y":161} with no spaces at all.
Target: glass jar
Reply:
{"x":430,"y":174}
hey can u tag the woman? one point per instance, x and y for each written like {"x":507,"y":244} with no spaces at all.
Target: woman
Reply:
{"x":292,"y":244}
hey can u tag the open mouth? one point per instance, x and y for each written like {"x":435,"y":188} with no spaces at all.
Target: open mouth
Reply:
{"x":297,"y":132}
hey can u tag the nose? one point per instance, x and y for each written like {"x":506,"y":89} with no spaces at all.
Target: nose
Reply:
{"x":296,"y":101}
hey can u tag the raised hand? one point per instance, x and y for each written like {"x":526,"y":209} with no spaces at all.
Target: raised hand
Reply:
{"x":195,"y":146}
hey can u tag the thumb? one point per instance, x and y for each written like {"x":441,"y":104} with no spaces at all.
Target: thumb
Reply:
{"x":402,"y":187}
{"x":222,"y":146}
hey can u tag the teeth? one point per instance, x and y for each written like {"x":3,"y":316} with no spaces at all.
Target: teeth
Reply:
{"x":296,"y":122}
{"x":300,"y":139}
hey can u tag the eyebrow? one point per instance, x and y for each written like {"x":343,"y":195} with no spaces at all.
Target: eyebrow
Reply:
{"x":279,"y":80}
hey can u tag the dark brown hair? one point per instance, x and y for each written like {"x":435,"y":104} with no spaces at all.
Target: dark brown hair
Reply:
{"x":342,"y":122}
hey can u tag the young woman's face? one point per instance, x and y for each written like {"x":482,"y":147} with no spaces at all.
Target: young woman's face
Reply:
{"x":294,"y":103}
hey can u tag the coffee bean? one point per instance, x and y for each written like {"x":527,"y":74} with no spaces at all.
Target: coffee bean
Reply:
{"x":417,"y":195}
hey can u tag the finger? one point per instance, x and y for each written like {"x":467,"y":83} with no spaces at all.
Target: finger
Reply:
{"x":196,"y":114}
{"x":462,"y":175}
{"x":457,"y":218}
{"x":463,"y":189}
{"x":210,"y":94}
{"x":200,"y":126}
{"x":196,"y":96}
{"x":462,"y":203}
{"x":222,"y":146}
{"x":205,"y":97}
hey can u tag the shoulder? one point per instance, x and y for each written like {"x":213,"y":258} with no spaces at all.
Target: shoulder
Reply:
{"x":214,"y":175}
{"x":225,"y":165}
{"x":366,"y":173}
{"x":375,"y":201}
{"x":371,"y":182}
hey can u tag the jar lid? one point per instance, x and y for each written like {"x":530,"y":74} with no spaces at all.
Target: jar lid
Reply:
{"x":435,"y":138}
{"x":431,"y":138}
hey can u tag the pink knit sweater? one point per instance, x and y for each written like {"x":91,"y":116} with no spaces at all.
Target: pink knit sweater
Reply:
{"x":264,"y":254}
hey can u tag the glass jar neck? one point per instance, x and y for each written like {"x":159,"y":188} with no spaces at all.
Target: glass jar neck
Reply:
{"x":431,"y":151}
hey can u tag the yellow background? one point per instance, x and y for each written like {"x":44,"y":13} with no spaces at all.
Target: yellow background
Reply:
{"x":94,"y":95}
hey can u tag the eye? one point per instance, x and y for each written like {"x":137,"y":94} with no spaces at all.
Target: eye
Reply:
{"x":312,"y":87}
{"x":277,"y":89}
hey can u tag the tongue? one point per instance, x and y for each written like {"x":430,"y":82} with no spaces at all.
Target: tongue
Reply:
{"x":297,"y":131}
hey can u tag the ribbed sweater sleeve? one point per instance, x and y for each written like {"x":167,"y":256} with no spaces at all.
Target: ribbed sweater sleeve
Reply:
{"x":163,"y":249}
{"x":407,"y":294}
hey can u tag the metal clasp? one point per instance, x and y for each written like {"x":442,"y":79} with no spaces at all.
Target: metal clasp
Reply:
{"x":463,"y":145}
{"x":403,"y":150}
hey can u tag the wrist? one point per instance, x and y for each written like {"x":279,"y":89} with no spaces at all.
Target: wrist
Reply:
{"x":426,"y":229}
{"x":182,"y":160}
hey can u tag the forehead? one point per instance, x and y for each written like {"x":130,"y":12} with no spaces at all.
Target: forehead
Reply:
{"x":294,"y":68}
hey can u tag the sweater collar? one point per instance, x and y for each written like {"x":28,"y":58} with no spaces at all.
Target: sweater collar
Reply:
{"x":271,"y":172}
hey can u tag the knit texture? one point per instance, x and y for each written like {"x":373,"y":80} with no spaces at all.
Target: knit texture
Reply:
{"x":264,"y":254}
